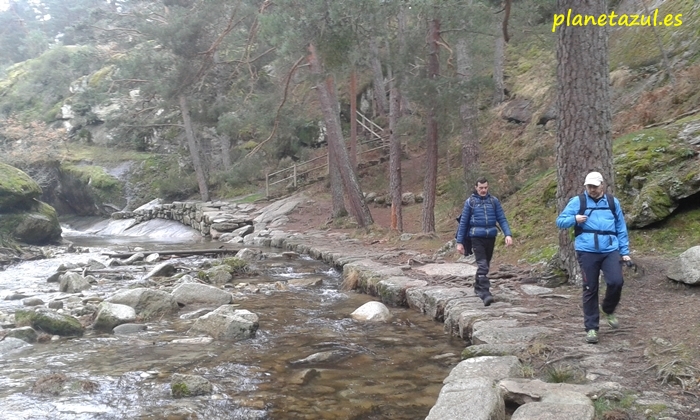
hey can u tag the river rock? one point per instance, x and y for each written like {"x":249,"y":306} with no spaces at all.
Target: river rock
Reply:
{"x":247,"y":254}
{"x":686,"y":268}
{"x":227,"y":323}
{"x":372,"y":312}
{"x":73,"y":283}
{"x":26,"y":334}
{"x":148,"y":303}
{"x":32,"y":301}
{"x":49,"y":322}
{"x":11,"y":344}
{"x":189,"y":386}
{"x":192,"y":293}
{"x":38,"y":226}
{"x":219,"y":274}
{"x":56,"y":304}
{"x":134,"y":258}
{"x":109,"y":315}
{"x":165,"y":269}
{"x":124,"y":329}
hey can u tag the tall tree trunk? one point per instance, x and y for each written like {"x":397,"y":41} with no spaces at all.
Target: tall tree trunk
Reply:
{"x":467,"y":111}
{"x":584,"y":140}
{"x":394,"y":155}
{"x":337,"y":196}
{"x":499,"y":58}
{"x":358,"y":206}
{"x":353,"y":119}
{"x":431,"y":147}
{"x":194,"y":149}
{"x":403,"y":78}
{"x":378,"y":76}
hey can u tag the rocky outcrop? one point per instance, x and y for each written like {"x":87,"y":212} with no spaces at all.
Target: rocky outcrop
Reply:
{"x":655,"y":171}
{"x":22,"y":216}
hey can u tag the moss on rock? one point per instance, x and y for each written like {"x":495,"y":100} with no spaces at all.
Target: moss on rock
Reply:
{"x":17,"y":189}
{"x":49,"y":322}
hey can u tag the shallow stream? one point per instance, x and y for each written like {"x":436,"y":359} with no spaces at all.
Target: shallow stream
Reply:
{"x":376,"y":371}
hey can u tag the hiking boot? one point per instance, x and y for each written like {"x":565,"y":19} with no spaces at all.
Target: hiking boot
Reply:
{"x":488,"y":300}
{"x":592,"y":337}
{"x":612,"y":320}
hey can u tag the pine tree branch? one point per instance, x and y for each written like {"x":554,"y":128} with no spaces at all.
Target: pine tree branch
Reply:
{"x":279,"y":108}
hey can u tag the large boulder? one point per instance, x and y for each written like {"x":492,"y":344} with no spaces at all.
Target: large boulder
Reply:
{"x":686,"y":268}
{"x":24,"y":218}
{"x":17,"y":190}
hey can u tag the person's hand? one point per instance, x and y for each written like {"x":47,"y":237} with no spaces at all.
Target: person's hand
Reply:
{"x":626,"y":258}
{"x":460,"y":248}
{"x":580,"y":218}
{"x":509,"y":240}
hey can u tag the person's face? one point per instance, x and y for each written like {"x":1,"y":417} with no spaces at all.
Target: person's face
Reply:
{"x":482,"y":189}
{"x":595,"y":192}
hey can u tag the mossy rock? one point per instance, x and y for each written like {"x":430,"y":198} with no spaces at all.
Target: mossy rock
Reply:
{"x":49,"y":322}
{"x":37,"y":226}
{"x":17,"y":189}
{"x":106,"y":187}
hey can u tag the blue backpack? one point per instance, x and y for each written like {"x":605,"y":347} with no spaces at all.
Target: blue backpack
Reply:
{"x":582,"y":210}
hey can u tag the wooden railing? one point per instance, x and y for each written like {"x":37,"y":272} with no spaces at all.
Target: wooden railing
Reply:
{"x":317,"y":168}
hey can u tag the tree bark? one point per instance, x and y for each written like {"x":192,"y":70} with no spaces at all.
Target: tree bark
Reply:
{"x":337,"y":196}
{"x":584,"y":140}
{"x":194,"y":149}
{"x":353,"y":119}
{"x":431,"y":147}
{"x":394,"y":155}
{"x":499,"y":58}
{"x":467,"y":111}
{"x":379,"y":87}
{"x":351,"y":186}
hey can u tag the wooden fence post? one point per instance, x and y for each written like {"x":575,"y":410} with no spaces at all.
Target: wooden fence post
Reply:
{"x":295,"y":175}
{"x":267,"y":185}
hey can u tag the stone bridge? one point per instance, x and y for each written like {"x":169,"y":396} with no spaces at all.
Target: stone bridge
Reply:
{"x":212,"y":218}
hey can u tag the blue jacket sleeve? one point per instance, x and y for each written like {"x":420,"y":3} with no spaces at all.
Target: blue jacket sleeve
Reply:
{"x":501,"y":218}
{"x":621,"y":228}
{"x":464,"y":222}
{"x":567,"y":218}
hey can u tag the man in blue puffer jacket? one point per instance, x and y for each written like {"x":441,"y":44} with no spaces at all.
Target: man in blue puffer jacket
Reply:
{"x":600,"y":244}
{"x":478,"y":221}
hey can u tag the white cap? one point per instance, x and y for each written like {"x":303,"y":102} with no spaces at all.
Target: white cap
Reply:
{"x":594,"y":178}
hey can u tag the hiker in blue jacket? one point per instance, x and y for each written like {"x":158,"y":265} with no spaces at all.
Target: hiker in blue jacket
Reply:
{"x":478,"y":223}
{"x":601,"y":242}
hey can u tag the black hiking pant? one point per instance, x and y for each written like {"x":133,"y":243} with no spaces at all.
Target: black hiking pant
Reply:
{"x":591,"y":264}
{"x":483,"y":251}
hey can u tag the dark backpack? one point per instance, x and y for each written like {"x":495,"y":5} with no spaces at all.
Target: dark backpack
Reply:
{"x":583,"y":207}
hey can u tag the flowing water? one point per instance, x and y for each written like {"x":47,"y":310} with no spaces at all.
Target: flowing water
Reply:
{"x":376,"y":370}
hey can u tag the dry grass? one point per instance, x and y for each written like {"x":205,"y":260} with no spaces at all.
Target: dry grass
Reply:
{"x":673,"y":364}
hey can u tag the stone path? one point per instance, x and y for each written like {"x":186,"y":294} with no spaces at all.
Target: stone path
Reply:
{"x":491,"y":382}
